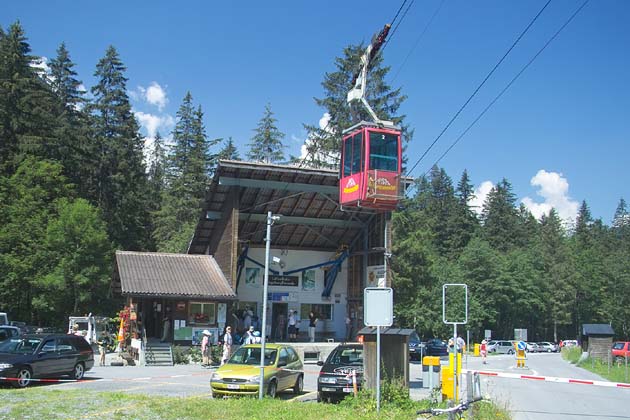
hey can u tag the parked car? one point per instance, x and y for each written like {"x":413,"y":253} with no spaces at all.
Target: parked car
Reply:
{"x":548,"y":347}
{"x":4,"y":319}
{"x":37,"y":356}
{"x":502,"y":346}
{"x":335,"y":378}
{"x":532,"y":347}
{"x":620,"y":351}
{"x":417,"y":348}
{"x":7,"y":332}
{"x":435,"y":347}
{"x":570,"y":343}
{"x":241,"y":374}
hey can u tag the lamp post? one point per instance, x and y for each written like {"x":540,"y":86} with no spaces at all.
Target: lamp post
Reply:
{"x":270,"y":220}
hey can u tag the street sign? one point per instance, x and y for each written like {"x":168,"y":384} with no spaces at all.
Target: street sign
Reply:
{"x":378,"y":307}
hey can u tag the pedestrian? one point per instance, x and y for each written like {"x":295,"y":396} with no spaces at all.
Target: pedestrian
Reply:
{"x":248,"y":338}
{"x":483,"y":350}
{"x":227,"y":345}
{"x":312,"y":323}
{"x":292,"y":334}
{"x":348,"y":328}
{"x":102,"y":342}
{"x":297,"y":325}
{"x":206,"y":347}
{"x":257,"y":339}
{"x":166,"y":326}
{"x":247,"y":318}
{"x":461,"y":344}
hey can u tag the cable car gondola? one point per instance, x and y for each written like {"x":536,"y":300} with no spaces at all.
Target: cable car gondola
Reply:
{"x":371,"y":167}
{"x":371,"y":152}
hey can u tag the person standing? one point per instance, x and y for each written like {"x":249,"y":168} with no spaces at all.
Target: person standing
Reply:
{"x":249,"y":336}
{"x":297,"y":325}
{"x":312,"y":323}
{"x":483,"y":350}
{"x":205,"y":349}
{"x":227,"y":345}
{"x":292,"y":334}
{"x":166,"y":326}
{"x":102,"y":342}
{"x":461,"y":344}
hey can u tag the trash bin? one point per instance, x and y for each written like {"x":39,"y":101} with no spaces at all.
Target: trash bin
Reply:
{"x":477,"y":349}
{"x":431,"y":372}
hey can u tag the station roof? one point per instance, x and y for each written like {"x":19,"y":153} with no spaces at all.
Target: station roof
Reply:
{"x":307,"y":200}
{"x":597,"y":329}
{"x":158,"y":274}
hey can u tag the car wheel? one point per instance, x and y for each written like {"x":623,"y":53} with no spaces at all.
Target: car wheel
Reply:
{"x":299,"y":385}
{"x":619,"y":360}
{"x":272,"y":389}
{"x":24,"y":377}
{"x":548,"y":350}
{"x":510,"y":351}
{"x":319,"y":397}
{"x":78,"y":371}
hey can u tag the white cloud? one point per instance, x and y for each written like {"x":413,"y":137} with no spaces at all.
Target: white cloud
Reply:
{"x":154,"y":123}
{"x":155,"y":95}
{"x":42,"y":68}
{"x":481,"y":192}
{"x":554,"y":189}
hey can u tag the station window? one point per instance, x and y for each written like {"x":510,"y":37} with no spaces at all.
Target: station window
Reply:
{"x":201,"y":313}
{"x":324,"y":312}
{"x":352,"y":154}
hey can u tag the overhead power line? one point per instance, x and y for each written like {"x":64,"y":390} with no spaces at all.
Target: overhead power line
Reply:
{"x":496,"y":66}
{"x":508,"y":85}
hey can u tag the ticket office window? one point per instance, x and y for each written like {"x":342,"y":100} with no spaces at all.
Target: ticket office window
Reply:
{"x":201,"y":313}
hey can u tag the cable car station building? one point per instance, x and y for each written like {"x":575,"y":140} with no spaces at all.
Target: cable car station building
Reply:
{"x":322,"y":255}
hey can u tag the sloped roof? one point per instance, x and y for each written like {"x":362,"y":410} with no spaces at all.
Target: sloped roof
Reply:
{"x":597,"y":329}
{"x":386,"y":331}
{"x":172,"y":275}
{"x":307,"y":199}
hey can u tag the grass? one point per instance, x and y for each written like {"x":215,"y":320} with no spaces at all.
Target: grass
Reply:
{"x":615,"y":372}
{"x":39,"y":402}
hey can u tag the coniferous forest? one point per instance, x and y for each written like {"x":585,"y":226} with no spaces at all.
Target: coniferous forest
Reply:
{"x":76,"y":183}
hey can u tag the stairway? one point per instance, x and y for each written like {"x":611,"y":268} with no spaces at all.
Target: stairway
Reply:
{"x":158,"y":354}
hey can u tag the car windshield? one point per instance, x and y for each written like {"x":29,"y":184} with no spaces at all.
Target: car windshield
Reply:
{"x":617,"y":346}
{"x":20,"y":345}
{"x":251,"y":356}
{"x":413,"y":338}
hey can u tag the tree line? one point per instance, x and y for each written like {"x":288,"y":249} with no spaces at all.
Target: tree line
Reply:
{"x":77,"y":183}
{"x":543,"y":275}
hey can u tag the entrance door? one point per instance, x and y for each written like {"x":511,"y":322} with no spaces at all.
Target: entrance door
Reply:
{"x":279,"y":324}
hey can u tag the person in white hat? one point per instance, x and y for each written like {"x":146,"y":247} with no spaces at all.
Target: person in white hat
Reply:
{"x":249,"y":336}
{"x":205,"y":348}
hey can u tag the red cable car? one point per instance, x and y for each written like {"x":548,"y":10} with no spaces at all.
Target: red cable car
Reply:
{"x":371,"y":167}
{"x":371,"y":152}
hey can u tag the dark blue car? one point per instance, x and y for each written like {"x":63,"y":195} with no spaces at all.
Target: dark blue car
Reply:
{"x":44,"y":356}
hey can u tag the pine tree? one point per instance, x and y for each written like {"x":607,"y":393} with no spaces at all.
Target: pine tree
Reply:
{"x":266,"y":145}
{"x":229,"y":151}
{"x":323,"y":144}
{"x":120,"y":173}
{"x":26,"y":104}
{"x":500,"y":217}
{"x":463,"y":219}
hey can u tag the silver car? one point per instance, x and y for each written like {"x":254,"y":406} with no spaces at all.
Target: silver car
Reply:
{"x":501,"y":346}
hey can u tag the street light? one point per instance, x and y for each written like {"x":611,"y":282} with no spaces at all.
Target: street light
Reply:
{"x":270,"y":220}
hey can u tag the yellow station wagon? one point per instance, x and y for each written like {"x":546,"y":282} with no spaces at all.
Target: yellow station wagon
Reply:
{"x":241,"y":374}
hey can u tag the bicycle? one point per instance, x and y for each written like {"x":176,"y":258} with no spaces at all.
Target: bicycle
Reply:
{"x":457,"y":410}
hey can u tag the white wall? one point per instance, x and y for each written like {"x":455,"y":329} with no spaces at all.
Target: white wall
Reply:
{"x":292,"y":260}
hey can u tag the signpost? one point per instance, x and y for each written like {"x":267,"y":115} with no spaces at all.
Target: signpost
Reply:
{"x":378,"y":312}
{"x":454,"y":317}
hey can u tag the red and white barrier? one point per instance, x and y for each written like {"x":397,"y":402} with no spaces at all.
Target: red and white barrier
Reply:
{"x":550,"y":379}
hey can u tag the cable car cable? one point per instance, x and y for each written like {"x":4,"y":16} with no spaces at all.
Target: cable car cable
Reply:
{"x":397,"y":25}
{"x":479,"y":87}
{"x":424,"y":31}
{"x":496,"y":98}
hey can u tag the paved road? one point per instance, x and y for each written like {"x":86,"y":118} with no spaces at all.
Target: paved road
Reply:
{"x":540,"y":400}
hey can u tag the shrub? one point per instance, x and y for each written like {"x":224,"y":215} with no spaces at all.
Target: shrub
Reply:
{"x":181,"y":356}
{"x":195,"y":354}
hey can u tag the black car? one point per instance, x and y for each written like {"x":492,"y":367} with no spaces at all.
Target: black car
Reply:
{"x":417,"y":347}
{"x":44,"y":356}
{"x":343,"y":366}
{"x":435,"y":347}
{"x":7,"y":332}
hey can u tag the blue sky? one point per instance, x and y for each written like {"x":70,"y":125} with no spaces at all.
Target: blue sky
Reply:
{"x":557,"y":135}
